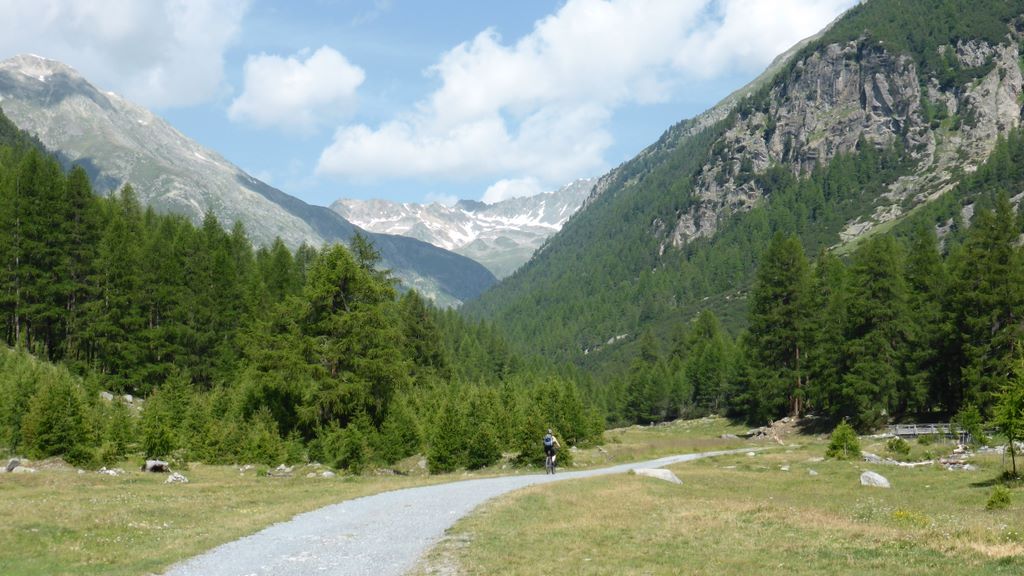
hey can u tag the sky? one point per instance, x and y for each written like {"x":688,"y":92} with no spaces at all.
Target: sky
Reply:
{"x":417,"y":101}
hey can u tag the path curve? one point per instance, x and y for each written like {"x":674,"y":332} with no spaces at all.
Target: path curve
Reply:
{"x":379,"y":535}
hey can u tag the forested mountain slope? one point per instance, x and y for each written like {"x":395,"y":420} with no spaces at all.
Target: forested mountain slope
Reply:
{"x":118,"y":142}
{"x":882,"y":113}
{"x":243,"y":354}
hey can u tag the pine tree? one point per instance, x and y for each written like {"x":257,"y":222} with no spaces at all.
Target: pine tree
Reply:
{"x":877,"y":329}
{"x":929,"y":364}
{"x":987,"y":304}
{"x":645,"y":391}
{"x":707,"y":362}
{"x":778,"y":318}
{"x":827,"y":331}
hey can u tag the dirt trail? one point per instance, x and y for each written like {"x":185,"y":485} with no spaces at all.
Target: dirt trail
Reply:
{"x":380,"y":535}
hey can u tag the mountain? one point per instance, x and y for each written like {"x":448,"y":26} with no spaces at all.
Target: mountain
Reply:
{"x":119,"y":142}
{"x":501,"y":236}
{"x":852,"y":133}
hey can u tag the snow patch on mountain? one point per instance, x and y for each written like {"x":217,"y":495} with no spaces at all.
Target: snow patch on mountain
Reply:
{"x":501,"y":236}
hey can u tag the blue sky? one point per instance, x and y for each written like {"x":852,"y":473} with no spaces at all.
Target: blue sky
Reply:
{"x":417,"y":101}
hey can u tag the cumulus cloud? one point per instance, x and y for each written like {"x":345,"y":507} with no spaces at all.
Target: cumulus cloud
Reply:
{"x":294,"y":94}
{"x":158,"y":53}
{"x":512,"y":188}
{"x":540,"y":107}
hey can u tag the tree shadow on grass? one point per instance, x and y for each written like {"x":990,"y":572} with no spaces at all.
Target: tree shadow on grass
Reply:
{"x":1005,"y":479}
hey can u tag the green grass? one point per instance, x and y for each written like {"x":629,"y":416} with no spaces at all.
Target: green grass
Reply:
{"x":765,"y":514}
{"x":61,"y":522}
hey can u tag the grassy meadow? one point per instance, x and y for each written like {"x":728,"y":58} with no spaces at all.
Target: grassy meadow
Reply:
{"x":60,"y":522}
{"x":785,"y":510}
{"x":738,"y":514}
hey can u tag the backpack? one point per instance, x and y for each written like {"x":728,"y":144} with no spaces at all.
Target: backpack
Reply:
{"x":549,"y":441}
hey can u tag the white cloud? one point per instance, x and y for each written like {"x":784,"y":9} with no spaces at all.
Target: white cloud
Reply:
{"x":512,"y":188}
{"x":293,"y":94}
{"x":540,"y":108}
{"x":747,"y":34}
{"x":158,"y":53}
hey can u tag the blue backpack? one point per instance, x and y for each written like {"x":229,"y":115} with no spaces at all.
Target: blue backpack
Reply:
{"x":549,"y":441}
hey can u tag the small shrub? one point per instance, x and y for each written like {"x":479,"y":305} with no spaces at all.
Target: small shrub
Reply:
{"x":898,"y":447}
{"x":969,"y":420}
{"x":926,"y":439}
{"x":999,"y":498}
{"x":844,"y":443}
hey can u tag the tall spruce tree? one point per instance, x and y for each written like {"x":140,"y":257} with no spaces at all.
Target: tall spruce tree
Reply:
{"x":929,"y":361}
{"x":987,"y":304}
{"x":877,"y":335}
{"x":778,"y":324}
{"x":827,"y":332}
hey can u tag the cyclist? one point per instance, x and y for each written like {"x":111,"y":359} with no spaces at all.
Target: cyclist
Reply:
{"x":551,"y":447}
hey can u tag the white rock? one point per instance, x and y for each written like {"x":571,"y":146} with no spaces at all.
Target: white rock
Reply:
{"x":176,"y":478}
{"x":812,"y":472}
{"x":750,"y":454}
{"x":23,"y":470}
{"x":874,"y":479}
{"x":872,"y":458}
{"x":328,"y":474}
{"x":784,"y":468}
{"x":659,"y":473}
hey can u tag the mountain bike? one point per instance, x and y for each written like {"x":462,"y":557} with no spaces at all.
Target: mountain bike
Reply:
{"x":549,"y":464}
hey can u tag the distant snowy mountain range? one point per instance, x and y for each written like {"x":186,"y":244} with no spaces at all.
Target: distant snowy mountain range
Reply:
{"x":501,"y":236}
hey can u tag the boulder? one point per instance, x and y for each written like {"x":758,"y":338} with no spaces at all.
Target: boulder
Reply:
{"x":281,"y":471}
{"x":874,"y":479}
{"x":156,"y":466}
{"x":730,"y":437}
{"x":328,"y":474}
{"x":659,"y":473}
{"x":12,"y":464}
{"x":176,"y":478}
{"x":812,"y":472}
{"x":111,"y":471}
{"x":107,"y":396}
{"x":872,"y":458}
{"x":23,"y":470}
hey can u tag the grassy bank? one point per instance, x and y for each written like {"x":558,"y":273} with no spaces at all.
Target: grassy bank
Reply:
{"x":783,"y":511}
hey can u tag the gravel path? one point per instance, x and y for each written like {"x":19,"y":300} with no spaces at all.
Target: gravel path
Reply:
{"x":380,"y":535}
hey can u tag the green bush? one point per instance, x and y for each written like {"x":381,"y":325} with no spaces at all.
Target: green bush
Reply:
{"x":999,"y":498}
{"x":969,"y":420}
{"x":58,"y":421}
{"x":844,"y":444}
{"x":898,"y":447}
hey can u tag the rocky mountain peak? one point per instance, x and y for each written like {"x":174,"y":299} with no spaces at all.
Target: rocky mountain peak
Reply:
{"x":501,"y":236}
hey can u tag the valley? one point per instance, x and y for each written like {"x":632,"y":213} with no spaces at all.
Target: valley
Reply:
{"x":831,"y":249}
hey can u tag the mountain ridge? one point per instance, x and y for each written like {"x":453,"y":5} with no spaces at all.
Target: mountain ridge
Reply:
{"x":648,"y":251}
{"x":501,"y":235}
{"x":120,"y":142}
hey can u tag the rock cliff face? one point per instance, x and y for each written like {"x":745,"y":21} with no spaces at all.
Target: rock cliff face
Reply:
{"x":842,"y":94}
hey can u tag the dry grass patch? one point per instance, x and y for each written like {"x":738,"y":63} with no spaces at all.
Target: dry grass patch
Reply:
{"x":765,"y":514}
